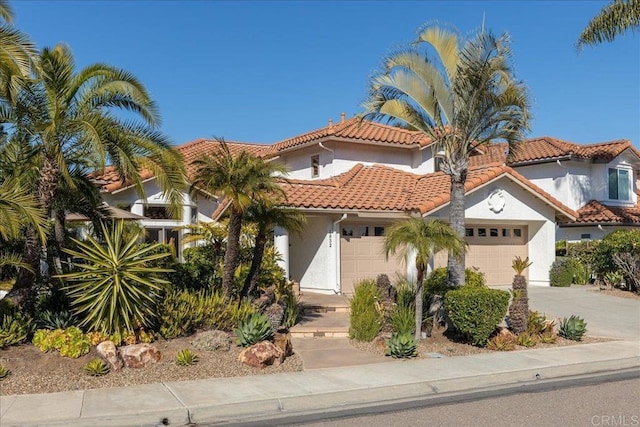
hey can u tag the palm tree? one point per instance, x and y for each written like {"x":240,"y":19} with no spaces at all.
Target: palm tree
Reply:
{"x":614,"y":19}
{"x":70,"y":119}
{"x":17,"y":55}
{"x":18,"y":208}
{"x":422,"y":239}
{"x":266,"y":215}
{"x":463,"y":97}
{"x":237,"y":180}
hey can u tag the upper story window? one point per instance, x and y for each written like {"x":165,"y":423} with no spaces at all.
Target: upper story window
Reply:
{"x":619,"y":184}
{"x":156,"y":212}
{"x":315,"y":166}
{"x":437,"y":161}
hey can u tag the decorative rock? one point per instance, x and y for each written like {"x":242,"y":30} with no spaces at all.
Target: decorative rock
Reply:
{"x":211,"y":340}
{"x":139,"y":355}
{"x":283,"y":342}
{"x":261,"y":355}
{"x":107,"y":350}
{"x":381,"y":341}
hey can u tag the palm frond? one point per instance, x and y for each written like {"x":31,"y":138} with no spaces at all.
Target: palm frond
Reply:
{"x":613,"y":20}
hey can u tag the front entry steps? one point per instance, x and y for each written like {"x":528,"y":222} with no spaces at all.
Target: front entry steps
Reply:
{"x":323,"y":316}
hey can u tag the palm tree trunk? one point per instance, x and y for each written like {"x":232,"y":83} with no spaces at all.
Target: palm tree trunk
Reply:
{"x":22,"y":292}
{"x":232,"y":253}
{"x":456,"y":264}
{"x":256,"y":262}
{"x":418,"y":334}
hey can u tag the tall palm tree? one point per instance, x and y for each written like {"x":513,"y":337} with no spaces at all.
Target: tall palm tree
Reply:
{"x":422,"y":239}
{"x":72,"y":119}
{"x":614,"y":19}
{"x":17,"y":55}
{"x":460,"y":93}
{"x":237,"y":180}
{"x":266,"y":215}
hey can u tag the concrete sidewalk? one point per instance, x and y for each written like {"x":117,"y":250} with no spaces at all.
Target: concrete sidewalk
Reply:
{"x":226,"y":400}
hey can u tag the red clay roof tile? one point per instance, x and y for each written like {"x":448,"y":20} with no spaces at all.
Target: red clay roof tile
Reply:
{"x":595,"y":212}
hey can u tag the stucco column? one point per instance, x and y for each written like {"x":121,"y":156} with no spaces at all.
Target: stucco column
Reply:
{"x":281,"y":243}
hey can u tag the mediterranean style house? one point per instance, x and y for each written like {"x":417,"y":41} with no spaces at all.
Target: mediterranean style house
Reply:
{"x":354,"y":178}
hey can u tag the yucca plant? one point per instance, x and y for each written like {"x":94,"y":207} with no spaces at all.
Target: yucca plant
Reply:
{"x":253,"y":329}
{"x":573,"y":328}
{"x":402,"y":346}
{"x":114,"y":288}
{"x":519,"y":308}
{"x":4,"y":372}
{"x":548,"y":337}
{"x":15,"y":329}
{"x":186,"y":358}
{"x":96,"y":368}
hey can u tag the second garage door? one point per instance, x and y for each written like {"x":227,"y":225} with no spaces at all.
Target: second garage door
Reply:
{"x":492,"y":250}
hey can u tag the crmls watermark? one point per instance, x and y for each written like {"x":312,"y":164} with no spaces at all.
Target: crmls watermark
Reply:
{"x":615,"y":420}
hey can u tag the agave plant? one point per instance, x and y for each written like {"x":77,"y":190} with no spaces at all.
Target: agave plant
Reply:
{"x":4,"y":372}
{"x":402,"y":345}
{"x":253,"y":329}
{"x":96,"y":368}
{"x":114,"y":288}
{"x":573,"y":328}
{"x":56,"y":320}
{"x":186,"y":357}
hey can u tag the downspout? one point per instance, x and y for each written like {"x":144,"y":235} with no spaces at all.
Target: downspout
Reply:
{"x":333,"y":156}
{"x":337,"y":253}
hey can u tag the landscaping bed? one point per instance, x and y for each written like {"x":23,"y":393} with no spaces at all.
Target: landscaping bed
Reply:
{"x":33,"y":371}
{"x":441,"y":343}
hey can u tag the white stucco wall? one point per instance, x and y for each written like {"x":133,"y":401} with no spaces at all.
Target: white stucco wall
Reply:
{"x":312,"y":259}
{"x":346,"y":155}
{"x":520,"y":208}
{"x":570,"y":182}
{"x":575,"y":234}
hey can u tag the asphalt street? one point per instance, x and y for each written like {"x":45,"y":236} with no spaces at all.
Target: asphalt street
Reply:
{"x":594,"y":405}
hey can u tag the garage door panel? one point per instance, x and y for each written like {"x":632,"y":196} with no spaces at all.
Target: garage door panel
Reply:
{"x":362,"y":257}
{"x":493,"y":255}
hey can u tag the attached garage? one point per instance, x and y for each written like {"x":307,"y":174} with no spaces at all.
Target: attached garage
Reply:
{"x":492,"y":249}
{"x":362,"y":255}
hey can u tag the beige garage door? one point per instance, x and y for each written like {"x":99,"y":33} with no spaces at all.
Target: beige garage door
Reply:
{"x":492,"y":249}
{"x":362,"y":255}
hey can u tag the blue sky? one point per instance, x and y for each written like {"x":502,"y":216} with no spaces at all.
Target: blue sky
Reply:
{"x":264,"y":71}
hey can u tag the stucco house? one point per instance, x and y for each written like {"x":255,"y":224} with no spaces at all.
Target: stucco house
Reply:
{"x":354,"y":178}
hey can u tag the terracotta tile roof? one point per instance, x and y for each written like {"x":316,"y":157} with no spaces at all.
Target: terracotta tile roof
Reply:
{"x":110,"y":179}
{"x":363,"y":187}
{"x":551,"y":149}
{"x":386,"y":189}
{"x":358,"y":129}
{"x":433,"y":190}
{"x":595,"y":212}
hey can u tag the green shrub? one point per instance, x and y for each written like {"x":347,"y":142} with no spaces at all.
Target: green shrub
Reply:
{"x":366,"y":316}
{"x":96,"y":368}
{"x":561,"y":273}
{"x":184,"y":311}
{"x":436,"y":283}
{"x":476,"y":311}
{"x":70,"y":342}
{"x":403,"y":319}
{"x":561,"y":248}
{"x":402,"y":345}
{"x":15,"y":329}
{"x":573,"y":328}
{"x":406,"y":294}
{"x":581,"y":272}
{"x":620,"y":241}
{"x":254,"y":329}
{"x":113,"y":287}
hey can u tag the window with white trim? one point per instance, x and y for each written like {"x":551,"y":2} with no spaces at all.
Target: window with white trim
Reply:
{"x":619,"y":184}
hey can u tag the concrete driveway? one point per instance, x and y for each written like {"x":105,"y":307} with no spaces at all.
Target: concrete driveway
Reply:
{"x":606,"y":316}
